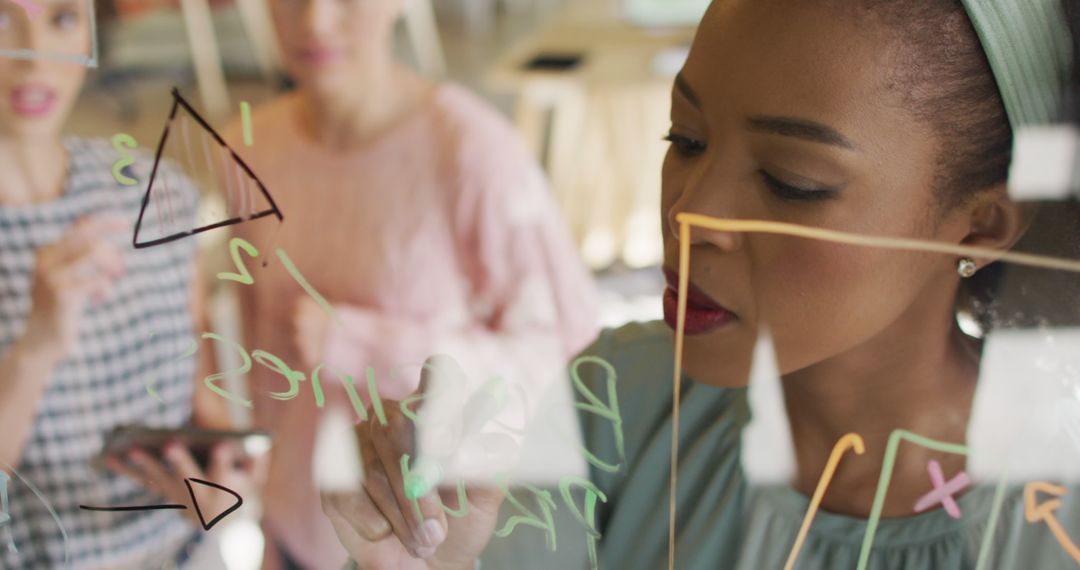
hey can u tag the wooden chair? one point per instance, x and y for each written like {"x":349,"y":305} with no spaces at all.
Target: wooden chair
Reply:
{"x":206,"y":57}
{"x":479,"y":14}
{"x":423,"y":34}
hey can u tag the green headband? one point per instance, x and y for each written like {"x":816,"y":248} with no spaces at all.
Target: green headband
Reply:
{"x":1029,"y":47}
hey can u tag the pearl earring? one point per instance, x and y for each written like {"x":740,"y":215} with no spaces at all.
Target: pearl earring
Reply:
{"x":966,"y":267}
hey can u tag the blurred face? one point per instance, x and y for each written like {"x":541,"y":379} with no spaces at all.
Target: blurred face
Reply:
{"x":327,"y":44}
{"x":784,"y":112}
{"x":36,"y":95}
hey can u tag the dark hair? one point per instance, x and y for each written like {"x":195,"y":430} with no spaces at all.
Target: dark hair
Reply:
{"x":1072,"y":89}
{"x":945,"y":77}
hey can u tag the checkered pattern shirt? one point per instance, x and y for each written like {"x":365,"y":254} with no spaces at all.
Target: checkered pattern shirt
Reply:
{"x":132,"y":338}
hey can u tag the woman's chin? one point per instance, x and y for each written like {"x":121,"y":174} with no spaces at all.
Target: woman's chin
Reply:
{"x":325,"y":84}
{"x":722,"y":367}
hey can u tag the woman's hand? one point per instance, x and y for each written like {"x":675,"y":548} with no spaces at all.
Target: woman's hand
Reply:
{"x":81,"y":266}
{"x":382,"y":529}
{"x":167,"y":479}
{"x":310,"y":329}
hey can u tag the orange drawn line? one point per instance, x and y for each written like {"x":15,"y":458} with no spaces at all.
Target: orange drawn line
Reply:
{"x":1045,"y":513}
{"x":883,"y":242}
{"x":851,"y":440}
{"x":684,"y":285}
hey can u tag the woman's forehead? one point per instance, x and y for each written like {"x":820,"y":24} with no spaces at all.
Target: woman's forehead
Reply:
{"x":804,"y":59}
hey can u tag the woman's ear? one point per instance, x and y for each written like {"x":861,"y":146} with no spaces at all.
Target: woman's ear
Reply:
{"x":997,"y":221}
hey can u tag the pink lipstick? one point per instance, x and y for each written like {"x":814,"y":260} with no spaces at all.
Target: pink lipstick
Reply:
{"x":33,"y":100}
{"x":319,"y":55}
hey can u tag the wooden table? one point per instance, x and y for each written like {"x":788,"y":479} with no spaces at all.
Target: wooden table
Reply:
{"x":598,"y":127}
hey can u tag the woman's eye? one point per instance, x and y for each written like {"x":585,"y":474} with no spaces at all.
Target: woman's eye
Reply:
{"x":685,"y":146}
{"x":793,"y":193}
{"x":65,"y":19}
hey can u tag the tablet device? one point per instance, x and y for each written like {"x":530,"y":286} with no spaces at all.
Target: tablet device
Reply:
{"x":199,"y":441}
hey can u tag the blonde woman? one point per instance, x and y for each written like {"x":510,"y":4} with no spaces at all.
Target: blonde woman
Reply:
{"x":414,"y":209}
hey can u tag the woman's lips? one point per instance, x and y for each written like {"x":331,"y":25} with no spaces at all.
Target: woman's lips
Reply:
{"x":703,"y":314}
{"x":32,"y":100}
{"x":319,"y":55}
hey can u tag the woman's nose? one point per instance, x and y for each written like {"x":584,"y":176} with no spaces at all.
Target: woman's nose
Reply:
{"x":318,"y":17}
{"x":26,"y":36}
{"x":691,"y":202}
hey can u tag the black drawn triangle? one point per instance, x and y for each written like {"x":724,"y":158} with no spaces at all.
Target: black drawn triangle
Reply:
{"x":179,"y":102}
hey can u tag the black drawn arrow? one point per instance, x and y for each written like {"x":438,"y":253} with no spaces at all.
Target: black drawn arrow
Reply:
{"x":194,"y":502}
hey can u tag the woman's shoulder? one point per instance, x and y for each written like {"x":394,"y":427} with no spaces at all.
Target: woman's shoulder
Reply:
{"x":467,"y":110}
{"x":98,"y":166}
{"x":634,"y":340}
{"x":270,"y":123}
{"x":635,"y":359}
{"x":484,"y":160}
{"x":474,"y":125}
{"x":641,"y":356}
{"x":89,"y":148}
{"x":93,"y":154}
{"x":624,"y":391}
{"x":102,"y":166}
{"x":97,"y":157}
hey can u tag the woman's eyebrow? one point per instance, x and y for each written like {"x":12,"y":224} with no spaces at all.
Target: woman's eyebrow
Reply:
{"x":682,"y":86}
{"x":801,"y":129}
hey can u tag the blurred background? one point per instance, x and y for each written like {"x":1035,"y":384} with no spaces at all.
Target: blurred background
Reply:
{"x":586,"y":83}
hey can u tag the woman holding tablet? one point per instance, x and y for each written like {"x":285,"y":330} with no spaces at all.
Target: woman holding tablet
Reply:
{"x":85,"y":322}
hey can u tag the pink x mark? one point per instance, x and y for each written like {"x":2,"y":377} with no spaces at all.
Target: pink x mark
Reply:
{"x":943,"y":491}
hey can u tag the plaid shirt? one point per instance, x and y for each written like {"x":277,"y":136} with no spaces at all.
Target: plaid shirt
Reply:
{"x":131,"y":339}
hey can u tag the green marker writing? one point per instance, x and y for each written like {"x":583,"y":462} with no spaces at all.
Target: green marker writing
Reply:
{"x":118,"y":142}
{"x":421,"y":479}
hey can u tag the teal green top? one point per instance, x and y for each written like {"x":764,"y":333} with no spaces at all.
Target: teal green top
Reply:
{"x":724,"y":522}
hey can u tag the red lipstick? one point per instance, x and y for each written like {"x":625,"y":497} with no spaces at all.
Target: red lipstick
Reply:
{"x":703,"y":314}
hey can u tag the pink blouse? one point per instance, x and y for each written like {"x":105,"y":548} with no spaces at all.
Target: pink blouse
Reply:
{"x":440,"y":237}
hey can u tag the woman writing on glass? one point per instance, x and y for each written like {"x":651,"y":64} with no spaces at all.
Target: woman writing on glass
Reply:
{"x":868,"y":117}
